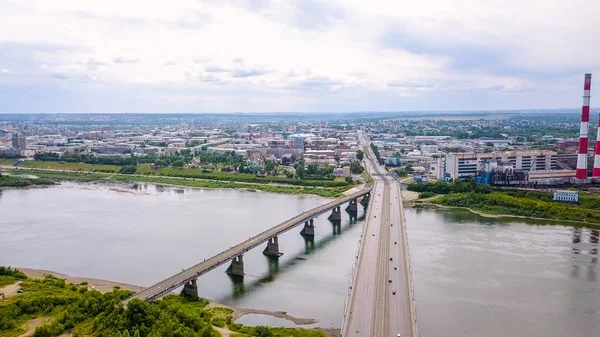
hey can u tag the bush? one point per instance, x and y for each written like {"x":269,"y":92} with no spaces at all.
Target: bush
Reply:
{"x":427,"y":194}
{"x":220,"y":322}
{"x":128,"y":169}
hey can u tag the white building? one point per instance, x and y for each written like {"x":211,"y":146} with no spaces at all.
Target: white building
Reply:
{"x":566,"y":196}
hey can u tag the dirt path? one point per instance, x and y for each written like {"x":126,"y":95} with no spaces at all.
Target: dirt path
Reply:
{"x":224,"y":332}
{"x":10,"y":290}
{"x":409,"y":195}
{"x":34,"y":323}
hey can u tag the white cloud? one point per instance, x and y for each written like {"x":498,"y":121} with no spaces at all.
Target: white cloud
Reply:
{"x":4,"y":72}
{"x":311,"y":52}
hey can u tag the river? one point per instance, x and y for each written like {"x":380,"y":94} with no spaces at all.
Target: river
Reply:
{"x":472,"y":276}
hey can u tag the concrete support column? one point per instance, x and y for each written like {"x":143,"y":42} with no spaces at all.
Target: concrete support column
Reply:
{"x":337,"y":228}
{"x":309,"y":229}
{"x":336,"y":214}
{"x":272,"y":248}
{"x":237,"y":266}
{"x":191,"y":288}
{"x":352,"y":206}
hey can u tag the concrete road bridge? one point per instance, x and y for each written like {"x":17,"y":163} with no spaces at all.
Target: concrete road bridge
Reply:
{"x":188,"y":277}
{"x":381,"y":298}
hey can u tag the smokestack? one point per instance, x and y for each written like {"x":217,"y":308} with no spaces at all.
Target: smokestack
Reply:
{"x":596,"y":171}
{"x":581,"y":172}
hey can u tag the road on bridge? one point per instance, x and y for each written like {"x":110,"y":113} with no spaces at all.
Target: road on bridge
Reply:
{"x":381,"y":299}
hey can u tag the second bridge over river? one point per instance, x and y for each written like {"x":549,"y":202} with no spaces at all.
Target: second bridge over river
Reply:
{"x":187,"y":278}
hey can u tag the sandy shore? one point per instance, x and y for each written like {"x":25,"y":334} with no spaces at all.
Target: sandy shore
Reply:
{"x":106,"y":286}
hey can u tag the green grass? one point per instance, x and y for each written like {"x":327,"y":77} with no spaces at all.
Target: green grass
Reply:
{"x":239,"y":177}
{"x":7,"y":280}
{"x":520,"y":203}
{"x":70,"y":166}
{"x":7,"y":162}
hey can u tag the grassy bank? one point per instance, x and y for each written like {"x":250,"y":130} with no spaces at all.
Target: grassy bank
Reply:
{"x":88,"y":177}
{"x":533,"y":204}
{"x":181,"y":173}
{"x":61,"y":307}
{"x":15,"y":181}
{"x":530,"y":204}
{"x":184,"y":173}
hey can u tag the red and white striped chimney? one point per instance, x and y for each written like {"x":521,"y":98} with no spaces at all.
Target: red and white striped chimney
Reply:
{"x":596,"y":171}
{"x":581,"y":172}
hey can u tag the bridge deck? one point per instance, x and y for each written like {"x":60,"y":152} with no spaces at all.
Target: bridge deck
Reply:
{"x":166,"y":286}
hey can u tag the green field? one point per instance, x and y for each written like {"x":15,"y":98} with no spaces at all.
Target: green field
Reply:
{"x":70,"y":166}
{"x":240,"y":177}
{"x":7,"y":162}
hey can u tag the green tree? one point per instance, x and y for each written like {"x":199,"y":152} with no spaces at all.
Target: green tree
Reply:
{"x":348,"y":179}
{"x":360,"y":155}
{"x":300,"y":171}
{"x":356,"y":168}
{"x":269,"y":165}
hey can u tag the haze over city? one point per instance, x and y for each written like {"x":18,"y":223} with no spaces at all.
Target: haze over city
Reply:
{"x":303,"y":56}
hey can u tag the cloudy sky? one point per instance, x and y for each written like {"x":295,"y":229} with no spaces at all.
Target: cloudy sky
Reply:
{"x":304,"y":55}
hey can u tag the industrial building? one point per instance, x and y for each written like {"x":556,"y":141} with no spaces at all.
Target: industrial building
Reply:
{"x":466,"y":165}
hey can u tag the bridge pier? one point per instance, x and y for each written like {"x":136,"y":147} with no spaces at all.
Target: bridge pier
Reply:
{"x":309,"y":229}
{"x":272,"y":248}
{"x":337,"y":227}
{"x":309,"y":244}
{"x":190,"y":289}
{"x":352,"y":206}
{"x":237,"y":266}
{"x":365,"y":200}
{"x":336,"y":214}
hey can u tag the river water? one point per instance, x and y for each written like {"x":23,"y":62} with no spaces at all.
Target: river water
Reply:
{"x":472,"y":276}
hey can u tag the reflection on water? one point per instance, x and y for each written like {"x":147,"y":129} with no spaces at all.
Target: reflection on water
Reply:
{"x":275,"y":267}
{"x":473,"y":274}
{"x":581,"y":249}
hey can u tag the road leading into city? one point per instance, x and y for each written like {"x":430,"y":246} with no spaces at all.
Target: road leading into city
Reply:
{"x":381,"y":300}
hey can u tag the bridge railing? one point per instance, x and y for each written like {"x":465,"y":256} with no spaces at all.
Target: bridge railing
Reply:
{"x":411,"y":288}
{"x":169,"y":284}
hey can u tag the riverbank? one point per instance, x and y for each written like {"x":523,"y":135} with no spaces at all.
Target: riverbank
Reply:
{"x":484,"y":214}
{"x":58,"y":175}
{"x":104,"y":286}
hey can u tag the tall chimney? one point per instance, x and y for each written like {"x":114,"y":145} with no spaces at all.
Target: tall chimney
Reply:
{"x":581,"y":172}
{"x":596,"y":171}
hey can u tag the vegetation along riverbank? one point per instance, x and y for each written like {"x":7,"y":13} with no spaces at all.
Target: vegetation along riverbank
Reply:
{"x":86,"y":176}
{"x":51,"y":306}
{"x":512,"y":202}
{"x":9,"y":181}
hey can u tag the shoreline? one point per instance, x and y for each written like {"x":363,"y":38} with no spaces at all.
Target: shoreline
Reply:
{"x":104,"y":286}
{"x":499,"y":216}
{"x":141,"y":178}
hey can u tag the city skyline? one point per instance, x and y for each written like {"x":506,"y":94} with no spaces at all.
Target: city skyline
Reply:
{"x":267,"y":56}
